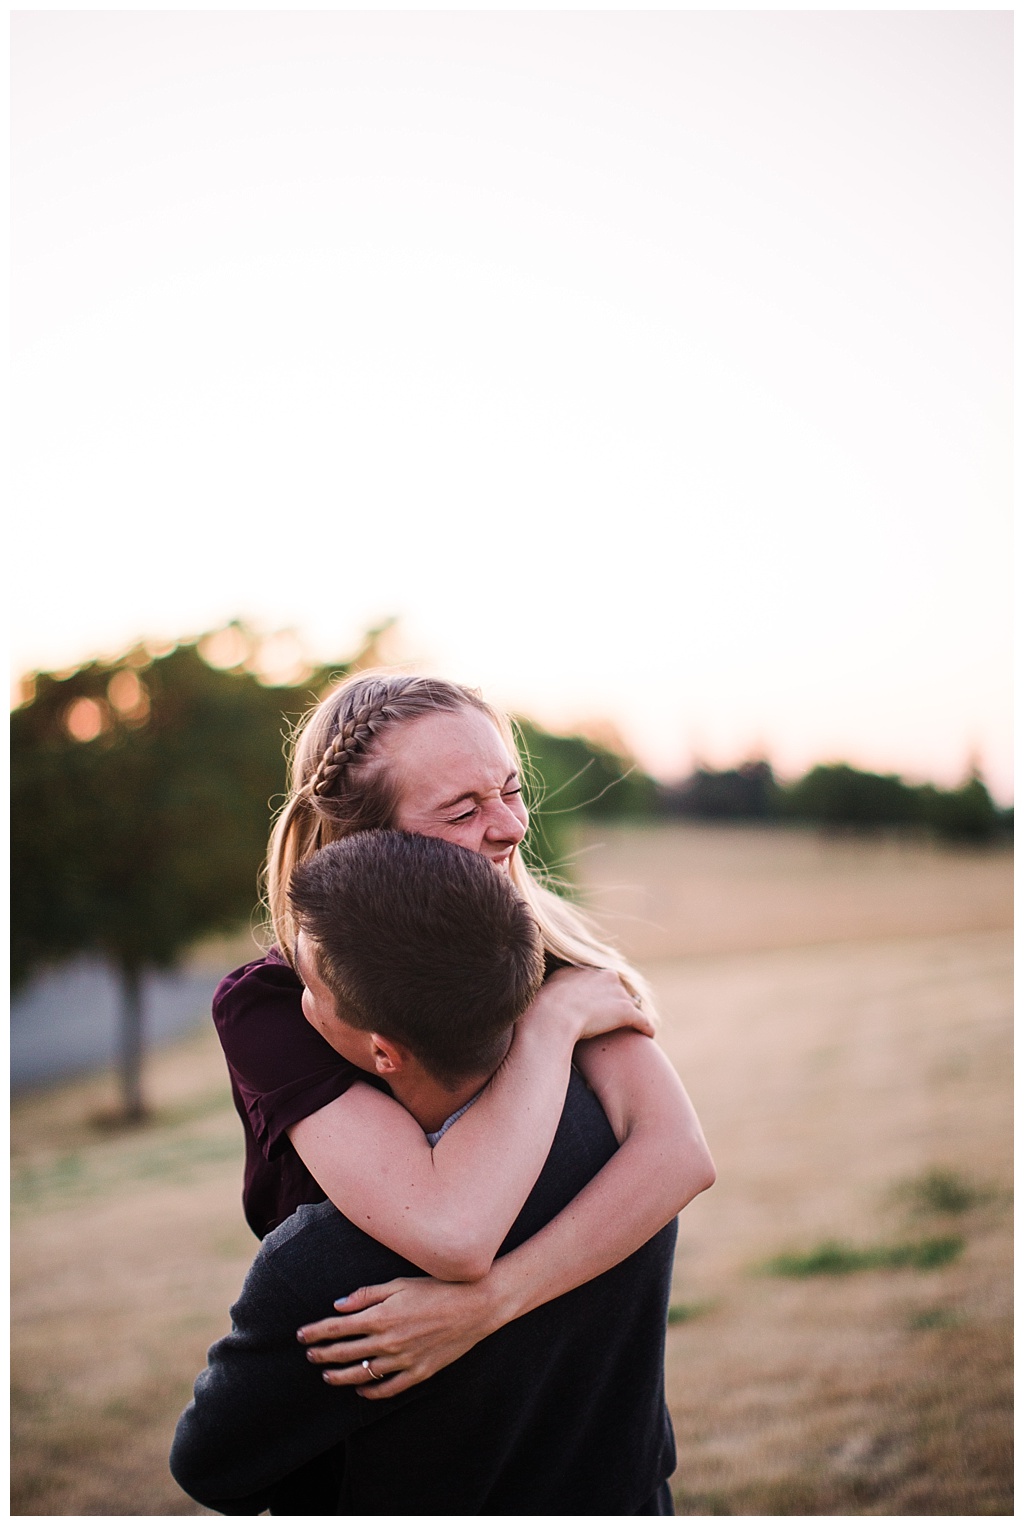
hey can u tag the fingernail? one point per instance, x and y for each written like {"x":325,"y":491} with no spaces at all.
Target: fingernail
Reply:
{"x":339,"y":1301}
{"x":300,"y":1335}
{"x":310,"y":1356}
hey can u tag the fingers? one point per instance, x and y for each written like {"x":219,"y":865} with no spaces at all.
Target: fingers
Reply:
{"x":334,"y":1328}
{"x":347,"y":1321}
{"x":384,"y":1387}
{"x":356,"y":1374}
{"x":362,"y":1298}
{"x":347,"y":1377}
{"x":346,"y":1351}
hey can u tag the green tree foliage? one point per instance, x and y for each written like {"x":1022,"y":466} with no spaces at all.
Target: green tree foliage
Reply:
{"x":748,"y":792}
{"x":141,"y":794}
{"x":841,"y":798}
{"x":573,"y":780}
{"x":967,"y":813}
{"x":837,"y":795}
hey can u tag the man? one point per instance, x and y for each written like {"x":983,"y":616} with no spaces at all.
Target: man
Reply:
{"x":418,"y":958}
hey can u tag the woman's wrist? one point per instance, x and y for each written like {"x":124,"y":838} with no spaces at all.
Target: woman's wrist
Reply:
{"x":555,"y":1016}
{"x":549,"y":1021}
{"x":501,"y":1294}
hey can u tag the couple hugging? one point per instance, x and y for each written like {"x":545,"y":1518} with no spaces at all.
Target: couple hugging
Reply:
{"x":440,"y":1070}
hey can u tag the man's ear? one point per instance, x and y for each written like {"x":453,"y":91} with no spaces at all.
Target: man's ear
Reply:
{"x":389,"y":1057}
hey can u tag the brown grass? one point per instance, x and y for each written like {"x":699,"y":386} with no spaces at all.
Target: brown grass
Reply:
{"x":840,"y":1013}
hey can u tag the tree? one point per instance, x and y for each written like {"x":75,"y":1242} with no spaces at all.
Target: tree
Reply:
{"x":747,"y":792}
{"x":572,"y":778}
{"x":967,"y":814}
{"x":140,"y":795}
{"x":840,"y":796}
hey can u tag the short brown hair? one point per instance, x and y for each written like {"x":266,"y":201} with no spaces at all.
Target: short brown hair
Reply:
{"x":423,"y":942}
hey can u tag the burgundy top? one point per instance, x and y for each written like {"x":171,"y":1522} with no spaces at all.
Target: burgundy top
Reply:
{"x":281,"y":1070}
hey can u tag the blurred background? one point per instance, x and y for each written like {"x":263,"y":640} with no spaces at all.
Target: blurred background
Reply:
{"x":652,"y":372}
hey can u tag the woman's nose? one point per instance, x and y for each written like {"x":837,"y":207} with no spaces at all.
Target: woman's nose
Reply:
{"x":506,"y":824}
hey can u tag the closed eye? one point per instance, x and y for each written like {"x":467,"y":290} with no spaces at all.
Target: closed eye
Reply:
{"x":515,"y":789}
{"x":465,"y":816}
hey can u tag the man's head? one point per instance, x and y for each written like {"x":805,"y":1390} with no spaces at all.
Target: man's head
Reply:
{"x":420,"y":941}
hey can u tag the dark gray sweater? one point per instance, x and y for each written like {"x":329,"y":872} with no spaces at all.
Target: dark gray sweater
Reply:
{"x":560,"y":1412}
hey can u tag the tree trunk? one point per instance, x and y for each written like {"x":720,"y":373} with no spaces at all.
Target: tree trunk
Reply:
{"x":131,"y":1043}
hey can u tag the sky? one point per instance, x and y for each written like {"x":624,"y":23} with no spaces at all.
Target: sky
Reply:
{"x":646,"y":367}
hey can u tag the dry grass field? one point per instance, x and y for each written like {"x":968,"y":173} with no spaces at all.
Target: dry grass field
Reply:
{"x":840,"y":1012}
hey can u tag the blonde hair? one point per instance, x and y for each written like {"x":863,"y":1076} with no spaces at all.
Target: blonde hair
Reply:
{"x":339,"y":783}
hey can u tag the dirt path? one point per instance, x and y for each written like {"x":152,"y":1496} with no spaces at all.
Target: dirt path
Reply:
{"x":835,"y":1063}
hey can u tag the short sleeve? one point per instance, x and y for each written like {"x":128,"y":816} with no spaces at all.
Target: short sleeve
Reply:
{"x":283,"y":1070}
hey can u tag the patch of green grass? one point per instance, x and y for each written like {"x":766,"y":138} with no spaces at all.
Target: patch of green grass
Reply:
{"x":679,"y":1313}
{"x":935,"y":1319}
{"x":71,"y":1178}
{"x":944,"y":1191}
{"x":175,"y":1160}
{"x":837,"y":1258}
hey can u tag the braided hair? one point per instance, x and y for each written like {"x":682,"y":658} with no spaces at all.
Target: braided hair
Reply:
{"x":338,"y":783}
{"x":354,"y":736}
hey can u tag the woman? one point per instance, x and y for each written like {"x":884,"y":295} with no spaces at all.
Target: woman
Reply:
{"x":427,"y":756}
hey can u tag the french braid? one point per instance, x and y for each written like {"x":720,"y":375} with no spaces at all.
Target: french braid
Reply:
{"x":336,"y":786}
{"x":354,"y":736}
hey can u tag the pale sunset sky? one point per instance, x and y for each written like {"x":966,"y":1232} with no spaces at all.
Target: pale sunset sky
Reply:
{"x":652,"y":366}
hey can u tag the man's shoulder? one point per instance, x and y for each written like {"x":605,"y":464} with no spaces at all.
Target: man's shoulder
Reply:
{"x":317,"y":1251}
{"x":318,"y":1241}
{"x":582,"y":1145}
{"x":311,"y":1220}
{"x":584,"y":1114}
{"x":311,"y":1227}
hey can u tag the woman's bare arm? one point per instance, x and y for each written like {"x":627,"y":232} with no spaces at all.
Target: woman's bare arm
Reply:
{"x":448,"y":1208}
{"x":663,"y":1162}
{"x":412,"y":1327}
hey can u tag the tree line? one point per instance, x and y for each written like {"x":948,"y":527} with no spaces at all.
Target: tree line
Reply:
{"x":142,"y":790}
{"x":580,"y":780}
{"x":840,"y":797}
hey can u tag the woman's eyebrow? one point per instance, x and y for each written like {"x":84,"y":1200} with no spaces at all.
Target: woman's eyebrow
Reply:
{"x":470,"y":794}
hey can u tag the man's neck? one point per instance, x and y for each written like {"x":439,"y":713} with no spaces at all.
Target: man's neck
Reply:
{"x":430,"y":1103}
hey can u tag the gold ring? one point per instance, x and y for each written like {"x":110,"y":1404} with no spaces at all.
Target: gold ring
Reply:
{"x":376,"y":1376}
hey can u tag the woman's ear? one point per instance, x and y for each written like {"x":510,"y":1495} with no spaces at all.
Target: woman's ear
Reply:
{"x":388,"y":1057}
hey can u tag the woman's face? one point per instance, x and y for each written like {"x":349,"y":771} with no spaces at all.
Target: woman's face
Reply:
{"x":456,"y":780}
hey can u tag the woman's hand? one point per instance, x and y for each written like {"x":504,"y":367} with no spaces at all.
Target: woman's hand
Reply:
{"x":448,"y":1208}
{"x":407,"y":1330}
{"x":410,"y":1328}
{"x":590,"y":1001}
